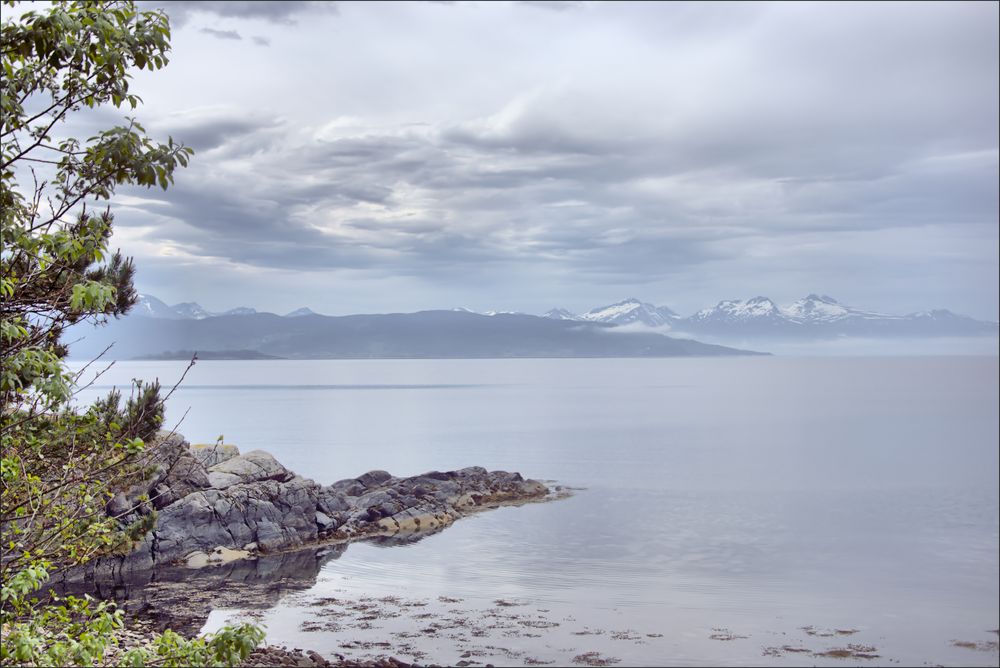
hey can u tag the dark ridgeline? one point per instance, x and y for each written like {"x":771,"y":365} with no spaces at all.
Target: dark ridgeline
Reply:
{"x":426,"y":334}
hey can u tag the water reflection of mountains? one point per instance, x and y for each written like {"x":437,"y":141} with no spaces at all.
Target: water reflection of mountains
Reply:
{"x":181,"y":598}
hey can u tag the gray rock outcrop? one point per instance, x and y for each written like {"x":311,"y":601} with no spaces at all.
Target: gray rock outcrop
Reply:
{"x":212,"y":502}
{"x":216,"y":453}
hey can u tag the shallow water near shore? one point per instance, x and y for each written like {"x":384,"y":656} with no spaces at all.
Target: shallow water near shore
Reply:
{"x":729,"y":511}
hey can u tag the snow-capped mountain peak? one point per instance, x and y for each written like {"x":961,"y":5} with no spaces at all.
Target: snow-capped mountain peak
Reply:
{"x":761,"y":306}
{"x":151,"y":307}
{"x":736,"y":310}
{"x":560,"y":314}
{"x":191,"y":310}
{"x":825,"y":309}
{"x":817,"y":308}
{"x":629,"y":311}
{"x":613,"y":310}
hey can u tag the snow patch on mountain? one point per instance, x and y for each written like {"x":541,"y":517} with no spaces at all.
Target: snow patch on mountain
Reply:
{"x":630,"y":311}
{"x":151,"y":307}
{"x":240,"y":310}
{"x":736,"y":311}
{"x":825,"y":309}
{"x":462,"y":309}
{"x":191,"y":310}
{"x":560,"y":314}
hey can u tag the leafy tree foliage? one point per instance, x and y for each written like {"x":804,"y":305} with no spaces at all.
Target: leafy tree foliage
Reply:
{"x":60,"y":466}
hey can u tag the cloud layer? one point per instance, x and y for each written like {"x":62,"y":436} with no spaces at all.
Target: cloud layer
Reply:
{"x":514,"y":157}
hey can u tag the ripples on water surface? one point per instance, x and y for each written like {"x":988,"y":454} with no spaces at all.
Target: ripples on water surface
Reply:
{"x":755,"y":496}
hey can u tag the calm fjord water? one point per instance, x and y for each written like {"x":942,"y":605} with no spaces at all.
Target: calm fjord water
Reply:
{"x":755,"y":495}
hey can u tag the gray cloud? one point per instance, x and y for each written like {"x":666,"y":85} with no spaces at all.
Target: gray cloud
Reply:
{"x":555,"y":5}
{"x":222,"y":34}
{"x":678,"y":145}
{"x":260,"y":40}
{"x":284,"y":12}
{"x":207,"y":131}
{"x":409,"y":203}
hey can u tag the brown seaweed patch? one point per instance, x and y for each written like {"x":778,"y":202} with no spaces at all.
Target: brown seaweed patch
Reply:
{"x":852,"y":651}
{"x":507,"y":604}
{"x":358,"y":644}
{"x":312,"y":627}
{"x":322,"y":602}
{"x":509,"y":653}
{"x":594,"y":659}
{"x":725,"y":634}
{"x":989,"y":646}
{"x":784,"y":649}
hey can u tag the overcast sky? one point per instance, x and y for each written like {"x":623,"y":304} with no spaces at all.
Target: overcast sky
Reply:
{"x":372,"y":157}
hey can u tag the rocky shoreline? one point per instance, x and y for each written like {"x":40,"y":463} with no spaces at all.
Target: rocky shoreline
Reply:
{"x":210,"y":504}
{"x":228,"y":528}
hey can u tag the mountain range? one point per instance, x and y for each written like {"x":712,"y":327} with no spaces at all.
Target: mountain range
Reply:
{"x":629,"y":328}
{"x":151,"y":307}
{"x":812,"y":317}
